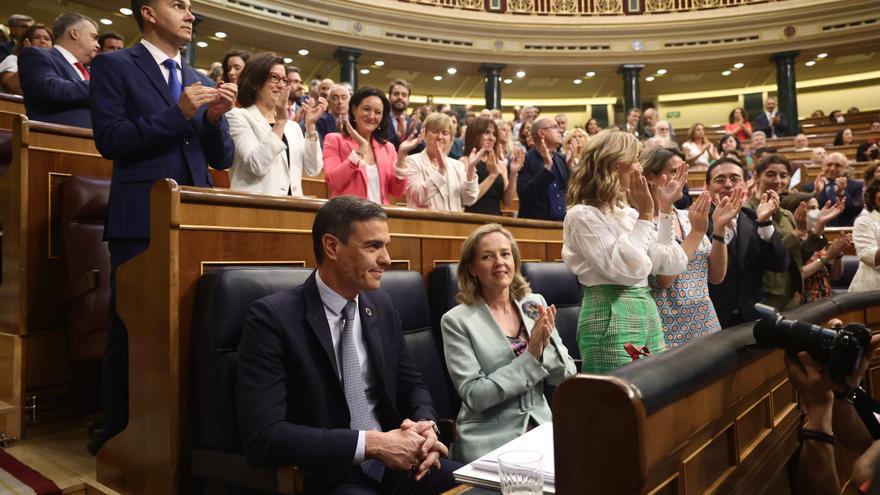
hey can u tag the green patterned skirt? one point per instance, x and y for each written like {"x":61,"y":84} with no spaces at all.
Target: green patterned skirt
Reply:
{"x":611,"y":316}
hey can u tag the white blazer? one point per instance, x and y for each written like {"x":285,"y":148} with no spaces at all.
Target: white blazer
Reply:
{"x":262,"y":162}
{"x":866,"y":237}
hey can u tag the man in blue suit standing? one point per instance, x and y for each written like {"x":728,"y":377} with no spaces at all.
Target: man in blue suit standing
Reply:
{"x":543,"y":181}
{"x":55,"y":82}
{"x":155,"y":119}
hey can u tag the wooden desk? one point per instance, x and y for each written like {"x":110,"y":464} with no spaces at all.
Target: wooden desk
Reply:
{"x":11,"y":103}
{"x":194,"y":230}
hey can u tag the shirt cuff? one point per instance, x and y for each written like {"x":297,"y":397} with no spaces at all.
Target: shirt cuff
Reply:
{"x":360,"y":451}
{"x":765,"y":233}
{"x":355,"y":159}
{"x":641,"y":235}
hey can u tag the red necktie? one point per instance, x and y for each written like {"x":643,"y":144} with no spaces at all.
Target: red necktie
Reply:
{"x":83,"y":71}
{"x":401,"y":127}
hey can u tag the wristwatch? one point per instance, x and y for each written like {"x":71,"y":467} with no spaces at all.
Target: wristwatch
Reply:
{"x":312,"y":134}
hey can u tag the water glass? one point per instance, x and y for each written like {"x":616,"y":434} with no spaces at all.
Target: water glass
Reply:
{"x":521,"y":472}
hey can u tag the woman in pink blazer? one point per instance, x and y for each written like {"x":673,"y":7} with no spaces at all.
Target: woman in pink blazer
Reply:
{"x":360,"y":161}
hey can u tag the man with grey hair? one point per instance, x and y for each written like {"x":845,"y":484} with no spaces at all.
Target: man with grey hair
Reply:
{"x":649,"y":117}
{"x":18,"y":24}
{"x":543,"y":181}
{"x":562,"y":121}
{"x":834,"y":185}
{"x":528,"y":114}
{"x":801,"y":143}
{"x":324,"y":88}
{"x":663,"y":132}
{"x":337,"y":110}
{"x":55,"y":82}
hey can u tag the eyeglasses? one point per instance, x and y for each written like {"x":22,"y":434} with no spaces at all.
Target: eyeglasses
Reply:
{"x":722,"y":179}
{"x":276,"y":79}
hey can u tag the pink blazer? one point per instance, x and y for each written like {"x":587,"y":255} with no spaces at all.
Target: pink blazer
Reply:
{"x":345,"y":176}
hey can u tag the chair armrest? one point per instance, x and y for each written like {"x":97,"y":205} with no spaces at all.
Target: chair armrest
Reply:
{"x":234,"y":469}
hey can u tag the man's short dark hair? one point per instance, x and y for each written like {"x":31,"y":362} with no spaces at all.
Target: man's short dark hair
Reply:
{"x":292,"y":68}
{"x":112,"y":35}
{"x":400,"y":82}
{"x":764,"y":150}
{"x":722,"y":161}
{"x":66,"y":21}
{"x":337,"y":217}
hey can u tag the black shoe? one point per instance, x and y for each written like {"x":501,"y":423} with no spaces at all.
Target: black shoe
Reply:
{"x":99,"y":438}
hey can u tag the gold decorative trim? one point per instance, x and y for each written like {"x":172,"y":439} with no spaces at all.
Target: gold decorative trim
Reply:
{"x":65,"y":152}
{"x":49,"y":213}
{"x":203,"y":264}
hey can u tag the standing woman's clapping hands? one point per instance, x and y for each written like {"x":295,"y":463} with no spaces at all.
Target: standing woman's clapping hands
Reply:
{"x":639,"y":195}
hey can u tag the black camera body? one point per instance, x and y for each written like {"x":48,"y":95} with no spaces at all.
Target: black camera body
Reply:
{"x":839,"y":350}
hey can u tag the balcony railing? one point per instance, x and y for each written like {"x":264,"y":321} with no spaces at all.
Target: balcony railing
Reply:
{"x":585,"y":7}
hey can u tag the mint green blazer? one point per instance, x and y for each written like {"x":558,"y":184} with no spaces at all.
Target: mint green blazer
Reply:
{"x":499,"y":391}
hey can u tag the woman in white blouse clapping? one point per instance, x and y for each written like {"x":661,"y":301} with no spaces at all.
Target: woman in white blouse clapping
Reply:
{"x":610,"y":242}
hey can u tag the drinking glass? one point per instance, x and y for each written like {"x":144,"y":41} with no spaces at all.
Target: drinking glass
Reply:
{"x":521,"y":472}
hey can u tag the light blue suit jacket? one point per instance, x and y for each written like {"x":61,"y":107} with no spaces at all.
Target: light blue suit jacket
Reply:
{"x":499,"y":391}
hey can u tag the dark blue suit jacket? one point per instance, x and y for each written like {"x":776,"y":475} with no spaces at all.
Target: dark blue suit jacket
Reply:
{"x":762,"y":123}
{"x":542,"y":193}
{"x":138,"y":127}
{"x":748,"y":257}
{"x":291,"y":405}
{"x":854,"y":201}
{"x":53,"y":89}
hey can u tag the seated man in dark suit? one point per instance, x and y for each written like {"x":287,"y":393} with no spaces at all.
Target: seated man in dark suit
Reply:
{"x":325,"y":380}
{"x":753,"y":246}
{"x":156,"y":118}
{"x":833,"y":185}
{"x":55,"y":82}
{"x":543,"y":181}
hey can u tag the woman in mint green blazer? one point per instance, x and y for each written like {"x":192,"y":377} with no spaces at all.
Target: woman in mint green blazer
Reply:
{"x":500,"y":345}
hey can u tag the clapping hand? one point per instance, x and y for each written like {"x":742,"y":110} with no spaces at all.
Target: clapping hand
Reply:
{"x":545,"y":153}
{"x":826,"y":214}
{"x":668,"y":191}
{"x":836,"y":247}
{"x":314,"y":110}
{"x":363,"y":145}
{"x":541,"y":331}
{"x":281,"y":105}
{"x":800,"y":219}
{"x":410,"y":144}
{"x":726,"y":209}
{"x":223,"y":101}
{"x":840,"y":182}
{"x":517,"y":160}
{"x":639,"y":195}
{"x":768,"y":206}
{"x":819,"y":183}
{"x":698,"y":213}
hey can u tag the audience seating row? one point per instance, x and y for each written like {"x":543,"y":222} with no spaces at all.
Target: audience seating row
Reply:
{"x":222,"y":299}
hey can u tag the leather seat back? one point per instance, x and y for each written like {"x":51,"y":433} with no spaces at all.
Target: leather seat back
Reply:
{"x":222,"y":301}
{"x":86,"y":265}
{"x":850,"y":266}
{"x":561,"y":287}
{"x":407,"y":290}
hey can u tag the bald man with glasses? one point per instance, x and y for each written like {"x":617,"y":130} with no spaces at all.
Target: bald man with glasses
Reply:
{"x":543,"y":181}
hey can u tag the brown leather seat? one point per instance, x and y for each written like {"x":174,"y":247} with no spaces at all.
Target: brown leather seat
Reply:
{"x":86,"y":284}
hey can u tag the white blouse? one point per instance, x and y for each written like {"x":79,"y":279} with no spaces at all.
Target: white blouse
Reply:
{"x":616,"y":248}
{"x":426,"y":187}
{"x":866,"y":237}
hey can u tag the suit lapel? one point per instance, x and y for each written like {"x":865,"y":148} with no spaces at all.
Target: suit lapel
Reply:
{"x":372,"y":338}
{"x":744,"y":232}
{"x":69,"y":70}
{"x":147,"y":64}
{"x":318,"y":320}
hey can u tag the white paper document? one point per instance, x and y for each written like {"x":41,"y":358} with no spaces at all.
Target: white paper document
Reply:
{"x":484,"y":471}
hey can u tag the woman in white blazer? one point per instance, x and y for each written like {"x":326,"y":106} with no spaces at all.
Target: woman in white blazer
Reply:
{"x":433,"y":179}
{"x":500,"y":344}
{"x":271,"y":154}
{"x":866,"y":237}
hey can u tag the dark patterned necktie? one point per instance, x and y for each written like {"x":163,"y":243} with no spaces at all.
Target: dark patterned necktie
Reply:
{"x":359,"y":409}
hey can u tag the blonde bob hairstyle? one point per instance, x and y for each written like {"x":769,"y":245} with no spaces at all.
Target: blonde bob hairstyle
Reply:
{"x":438,"y":121}
{"x":570,"y":134}
{"x":594,"y":179}
{"x":469,"y":285}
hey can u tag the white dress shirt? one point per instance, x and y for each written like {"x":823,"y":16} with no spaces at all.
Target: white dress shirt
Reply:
{"x":616,"y":248}
{"x":334,"y":304}
{"x":159,"y":56}
{"x":866,"y":237}
{"x":426,"y":187}
{"x":71,"y":60}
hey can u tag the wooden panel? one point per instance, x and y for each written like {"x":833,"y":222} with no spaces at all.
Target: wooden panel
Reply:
{"x":782,"y":399}
{"x":752,"y":426}
{"x":711,"y":462}
{"x":668,"y":487}
{"x":11,"y":103}
{"x":47,"y":362}
{"x":11,"y":358}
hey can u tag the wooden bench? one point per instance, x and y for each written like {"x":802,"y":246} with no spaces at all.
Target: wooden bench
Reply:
{"x":194,"y":230}
{"x":11,"y":103}
{"x":710,"y":417}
